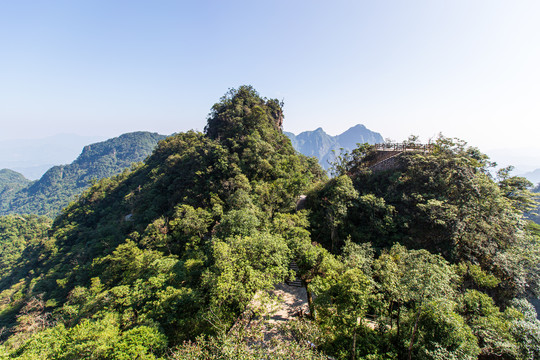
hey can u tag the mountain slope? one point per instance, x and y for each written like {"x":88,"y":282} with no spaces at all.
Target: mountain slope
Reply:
{"x":536,"y":216}
{"x":321,"y":145}
{"x":173,"y":258}
{"x":61,"y":183}
{"x":194,"y":232}
{"x":10,"y":183}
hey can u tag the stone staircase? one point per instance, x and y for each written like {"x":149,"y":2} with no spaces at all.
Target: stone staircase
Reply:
{"x":296,"y":282}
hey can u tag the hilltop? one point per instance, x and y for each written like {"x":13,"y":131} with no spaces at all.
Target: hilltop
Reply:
{"x":11,"y":182}
{"x":204,"y":212}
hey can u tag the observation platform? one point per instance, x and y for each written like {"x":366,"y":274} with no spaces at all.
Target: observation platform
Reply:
{"x":387,"y":154}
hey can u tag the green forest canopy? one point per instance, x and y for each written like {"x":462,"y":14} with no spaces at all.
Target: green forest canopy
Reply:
{"x":430,"y":260}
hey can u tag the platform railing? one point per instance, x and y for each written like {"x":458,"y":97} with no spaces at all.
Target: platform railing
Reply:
{"x":404,"y":147}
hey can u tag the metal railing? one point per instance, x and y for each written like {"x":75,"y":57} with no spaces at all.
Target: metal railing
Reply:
{"x":404,"y":147}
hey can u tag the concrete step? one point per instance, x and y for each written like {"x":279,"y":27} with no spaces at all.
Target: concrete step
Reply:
{"x":295,"y":282}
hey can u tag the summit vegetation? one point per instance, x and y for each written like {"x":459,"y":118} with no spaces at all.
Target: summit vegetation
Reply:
{"x":432,"y":259}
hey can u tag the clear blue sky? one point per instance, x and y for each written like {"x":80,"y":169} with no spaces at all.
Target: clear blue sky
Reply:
{"x":469,"y":69}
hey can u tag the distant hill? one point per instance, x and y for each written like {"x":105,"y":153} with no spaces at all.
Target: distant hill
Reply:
{"x":10,"y":183}
{"x":319,"y":144}
{"x":536,"y":218}
{"x":48,"y":195}
{"x":33,"y":157}
{"x":533,"y":176}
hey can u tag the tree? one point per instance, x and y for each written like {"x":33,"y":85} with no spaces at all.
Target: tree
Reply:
{"x":243,"y":265}
{"x":241,"y":110}
{"x":413,"y":277}
{"x":342,"y":301}
{"x":491,"y":326}
{"x":331,"y":204}
{"x":444,"y":334}
{"x":517,"y":189}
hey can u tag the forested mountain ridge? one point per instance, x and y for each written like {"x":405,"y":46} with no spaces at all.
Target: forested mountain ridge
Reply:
{"x":10,"y":183}
{"x":321,"y":145}
{"x":432,"y":259}
{"x":10,"y":179}
{"x":58,"y":186}
{"x":211,"y":222}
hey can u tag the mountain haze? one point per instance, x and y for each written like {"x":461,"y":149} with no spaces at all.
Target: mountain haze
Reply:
{"x":33,"y":157}
{"x":321,"y":145}
{"x":533,"y":176}
{"x":61,"y":183}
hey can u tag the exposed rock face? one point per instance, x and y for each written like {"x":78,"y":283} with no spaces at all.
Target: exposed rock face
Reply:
{"x":319,"y":144}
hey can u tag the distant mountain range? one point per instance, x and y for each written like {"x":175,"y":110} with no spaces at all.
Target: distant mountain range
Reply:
{"x":33,"y":157}
{"x":321,"y":145}
{"x":11,"y":182}
{"x":61,"y":183}
{"x":58,"y":186}
{"x":533,"y":176}
{"x":535,"y":215}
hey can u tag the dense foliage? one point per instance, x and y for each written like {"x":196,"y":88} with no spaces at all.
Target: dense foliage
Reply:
{"x":174,"y":258}
{"x":60,"y":184}
{"x":454,"y":258}
{"x":18,"y":234}
{"x":20,"y":240}
{"x":10,"y":183}
{"x":174,"y":248}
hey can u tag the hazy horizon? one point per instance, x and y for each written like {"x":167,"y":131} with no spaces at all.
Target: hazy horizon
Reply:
{"x":524,"y":160}
{"x":465,"y":69}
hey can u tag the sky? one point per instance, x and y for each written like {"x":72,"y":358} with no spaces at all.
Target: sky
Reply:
{"x":464,"y":68}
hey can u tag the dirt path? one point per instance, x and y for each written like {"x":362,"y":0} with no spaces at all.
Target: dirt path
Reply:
{"x":292,"y":301}
{"x":286,"y":302}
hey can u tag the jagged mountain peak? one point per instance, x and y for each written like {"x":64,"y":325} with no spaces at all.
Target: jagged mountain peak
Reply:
{"x":321,"y":145}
